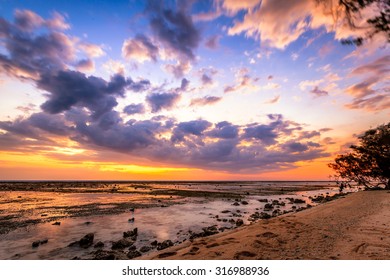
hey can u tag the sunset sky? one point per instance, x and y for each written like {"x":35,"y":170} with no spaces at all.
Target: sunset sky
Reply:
{"x":183,"y":90}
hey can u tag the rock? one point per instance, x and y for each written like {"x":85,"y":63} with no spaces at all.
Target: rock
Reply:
{"x":268,"y":207}
{"x":133,"y":254}
{"x":239,"y":222}
{"x":236,"y":203}
{"x":244,"y":202}
{"x":87,"y":223}
{"x":39,"y":242}
{"x":145,"y":249}
{"x":154,"y":243}
{"x":263,"y":200}
{"x":99,"y":245}
{"x":297,"y":200}
{"x":131,"y":209}
{"x":165,"y":244}
{"x":56,"y":224}
{"x":225,"y":211}
{"x":131,"y":234}
{"x":264,"y":215}
{"x":44,"y":215}
{"x":318,"y":199}
{"x":87,"y":240}
{"x":131,"y":220}
{"x":121,"y":244}
{"x":109,"y":255}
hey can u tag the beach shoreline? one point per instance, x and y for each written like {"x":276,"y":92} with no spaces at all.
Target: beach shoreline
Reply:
{"x":349,"y":228}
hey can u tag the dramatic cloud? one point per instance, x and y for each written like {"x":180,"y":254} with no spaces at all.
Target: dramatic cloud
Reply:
{"x":189,"y":128}
{"x":207,"y":100}
{"x":140,"y":49}
{"x":372,"y":92}
{"x":159,"y":101}
{"x":224,"y":130}
{"x":134,"y":109}
{"x":262,"y":20}
{"x":86,"y":65}
{"x":175,"y":28}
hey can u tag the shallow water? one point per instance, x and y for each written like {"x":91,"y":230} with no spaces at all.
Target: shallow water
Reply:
{"x":175,"y":222}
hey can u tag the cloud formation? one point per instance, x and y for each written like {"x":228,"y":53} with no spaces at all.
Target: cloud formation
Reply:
{"x":140,"y":49}
{"x":174,"y":28}
{"x":371,"y":93}
{"x":207,"y":100}
{"x":160,"y":101}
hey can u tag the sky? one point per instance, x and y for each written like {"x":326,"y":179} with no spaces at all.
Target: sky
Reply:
{"x":184,"y":90}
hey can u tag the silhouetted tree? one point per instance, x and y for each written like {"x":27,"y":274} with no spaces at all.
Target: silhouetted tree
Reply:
{"x":350,"y":10}
{"x":368,"y":163}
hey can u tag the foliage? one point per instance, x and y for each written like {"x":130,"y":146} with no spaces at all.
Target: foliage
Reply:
{"x":378,"y":24}
{"x":368,"y":163}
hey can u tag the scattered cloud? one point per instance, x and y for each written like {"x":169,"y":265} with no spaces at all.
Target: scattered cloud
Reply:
{"x":133,"y":109}
{"x":207,"y":100}
{"x":160,"y":101}
{"x":273,"y":100}
{"x":371,"y":93}
{"x":212,"y":42}
{"x":140,"y":49}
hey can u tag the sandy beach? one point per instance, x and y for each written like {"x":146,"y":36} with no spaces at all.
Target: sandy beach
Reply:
{"x":352,"y":227}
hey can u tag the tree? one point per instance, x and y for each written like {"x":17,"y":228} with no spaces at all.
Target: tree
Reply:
{"x":350,"y":10}
{"x":368,"y":163}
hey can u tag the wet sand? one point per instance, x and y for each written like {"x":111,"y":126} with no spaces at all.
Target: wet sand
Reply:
{"x":352,"y":227}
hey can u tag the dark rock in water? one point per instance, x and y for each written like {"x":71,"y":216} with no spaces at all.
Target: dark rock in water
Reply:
{"x":131,"y":234}
{"x":39,"y":242}
{"x":232,"y":221}
{"x":154,"y":243}
{"x":165,"y":244}
{"x":121,"y":244}
{"x":131,"y":209}
{"x":239,"y":222}
{"x":244,"y":202}
{"x":276,"y":212}
{"x":99,"y":245}
{"x":264,"y":215}
{"x":145,"y":249}
{"x":294,"y":207}
{"x":263,"y":200}
{"x":297,"y":200}
{"x":131,"y":220}
{"x":268,"y":207}
{"x":44,"y":215}
{"x":56,"y":224}
{"x":319,"y":198}
{"x":133,"y":254}
{"x":236,"y":204}
{"x":109,"y":255}
{"x":87,"y":223}
{"x":87,"y":240}
{"x":225,"y":211}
